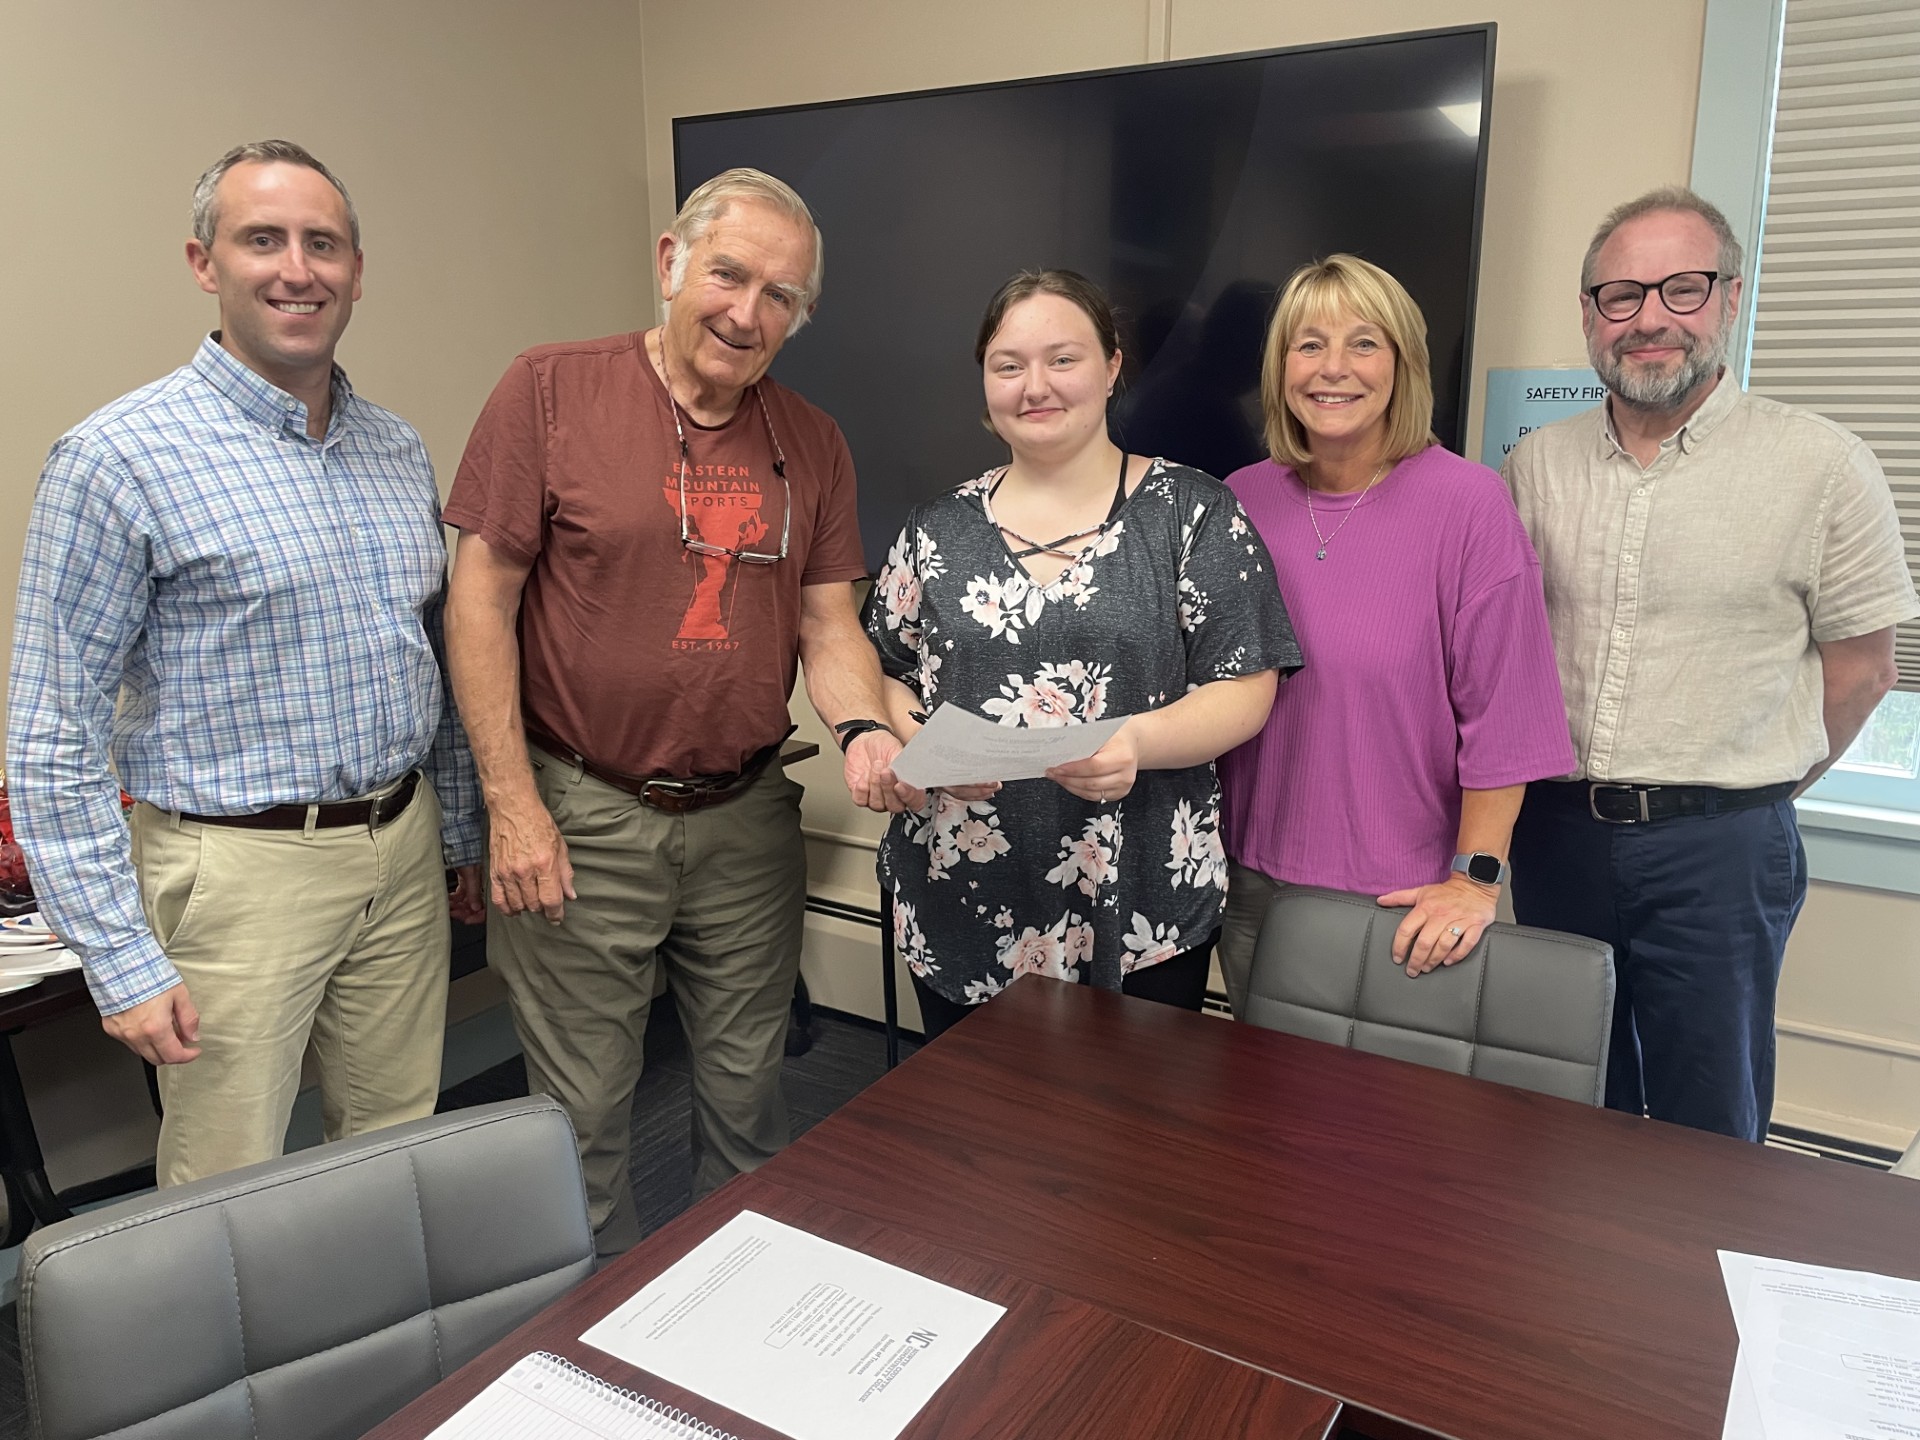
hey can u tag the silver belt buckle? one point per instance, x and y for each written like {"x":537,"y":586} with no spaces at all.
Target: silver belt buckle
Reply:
{"x":1593,"y":803}
{"x":378,"y":813}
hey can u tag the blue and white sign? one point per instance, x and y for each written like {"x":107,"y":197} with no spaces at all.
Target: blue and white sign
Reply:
{"x":1523,"y":400}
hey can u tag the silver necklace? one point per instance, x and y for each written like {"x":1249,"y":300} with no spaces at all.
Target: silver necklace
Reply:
{"x":1326,"y":540}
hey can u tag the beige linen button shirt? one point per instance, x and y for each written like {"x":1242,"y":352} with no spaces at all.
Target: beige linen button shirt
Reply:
{"x":1686,"y":599}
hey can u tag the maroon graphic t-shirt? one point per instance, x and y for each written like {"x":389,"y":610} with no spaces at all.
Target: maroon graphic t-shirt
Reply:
{"x":641,"y":654}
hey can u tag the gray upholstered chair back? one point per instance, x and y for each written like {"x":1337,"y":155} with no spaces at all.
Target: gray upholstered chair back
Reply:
{"x":1532,"y":1008}
{"x":309,"y":1297}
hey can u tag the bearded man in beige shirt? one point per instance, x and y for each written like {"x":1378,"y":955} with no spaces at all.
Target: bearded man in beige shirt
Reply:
{"x":1723,"y":577}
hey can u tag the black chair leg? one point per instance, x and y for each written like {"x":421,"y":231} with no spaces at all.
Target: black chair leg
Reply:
{"x":23,"y":1170}
{"x":889,"y":984}
{"x":800,"y":1020}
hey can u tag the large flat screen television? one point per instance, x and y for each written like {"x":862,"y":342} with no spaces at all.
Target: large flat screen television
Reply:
{"x":1190,"y":190}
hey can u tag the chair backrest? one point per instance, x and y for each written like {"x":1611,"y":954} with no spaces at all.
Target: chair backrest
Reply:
{"x":1532,"y":1008}
{"x":308,"y":1297}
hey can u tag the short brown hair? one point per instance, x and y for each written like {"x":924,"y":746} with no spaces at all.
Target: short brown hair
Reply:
{"x":1673,"y":200}
{"x":1322,"y":288}
{"x":1069,"y":285}
{"x":206,"y":211}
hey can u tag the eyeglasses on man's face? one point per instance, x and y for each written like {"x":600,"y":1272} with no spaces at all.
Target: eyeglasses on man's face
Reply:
{"x":1682,"y":294}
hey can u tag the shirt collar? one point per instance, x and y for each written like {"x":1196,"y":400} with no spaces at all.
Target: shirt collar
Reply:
{"x":258,"y":398}
{"x":1689,"y":437}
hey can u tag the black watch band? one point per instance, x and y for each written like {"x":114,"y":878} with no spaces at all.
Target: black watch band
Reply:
{"x":848,"y":731}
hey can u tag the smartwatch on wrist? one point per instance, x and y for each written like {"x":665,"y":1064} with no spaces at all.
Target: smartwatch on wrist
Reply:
{"x":1482,"y":868}
{"x":848,"y":731}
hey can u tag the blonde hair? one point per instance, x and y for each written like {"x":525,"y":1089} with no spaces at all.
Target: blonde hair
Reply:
{"x":1324,"y":288}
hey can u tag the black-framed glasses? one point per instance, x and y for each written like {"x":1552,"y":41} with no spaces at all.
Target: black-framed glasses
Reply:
{"x":1682,"y":293}
{"x":738,"y":552}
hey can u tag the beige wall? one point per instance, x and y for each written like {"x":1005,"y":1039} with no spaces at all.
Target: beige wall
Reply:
{"x":494,"y":150}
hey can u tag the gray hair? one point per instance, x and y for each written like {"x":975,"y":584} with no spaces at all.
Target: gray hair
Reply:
{"x":1667,"y":199}
{"x":206,"y":213}
{"x":706,"y":204}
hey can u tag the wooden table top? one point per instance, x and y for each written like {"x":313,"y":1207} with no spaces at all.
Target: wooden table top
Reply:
{"x":1053,"y":1368}
{"x":1462,"y":1257}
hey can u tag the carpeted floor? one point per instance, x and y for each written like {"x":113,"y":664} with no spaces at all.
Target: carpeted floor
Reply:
{"x":846,"y":1057}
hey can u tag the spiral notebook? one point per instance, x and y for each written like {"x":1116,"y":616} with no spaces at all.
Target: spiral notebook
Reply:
{"x":547,"y":1398}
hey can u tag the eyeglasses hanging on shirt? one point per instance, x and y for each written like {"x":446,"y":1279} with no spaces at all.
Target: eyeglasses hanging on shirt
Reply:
{"x":741,"y":552}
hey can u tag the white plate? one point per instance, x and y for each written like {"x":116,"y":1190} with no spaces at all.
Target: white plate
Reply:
{"x":48,"y":962}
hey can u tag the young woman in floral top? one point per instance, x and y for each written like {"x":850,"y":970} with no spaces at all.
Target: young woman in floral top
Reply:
{"x":1074,"y":584}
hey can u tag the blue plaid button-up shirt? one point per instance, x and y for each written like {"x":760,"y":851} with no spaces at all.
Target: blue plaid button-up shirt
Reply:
{"x":239,"y":616}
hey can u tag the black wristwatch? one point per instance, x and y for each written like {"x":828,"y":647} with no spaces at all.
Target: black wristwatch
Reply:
{"x":1482,"y":868}
{"x":848,"y":731}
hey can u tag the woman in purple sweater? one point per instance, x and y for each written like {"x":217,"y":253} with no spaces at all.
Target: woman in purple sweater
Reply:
{"x":1394,"y":763}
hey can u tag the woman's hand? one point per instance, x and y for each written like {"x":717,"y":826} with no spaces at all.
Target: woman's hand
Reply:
{"x":1445,"y":923}
{"x":1107,"y":774}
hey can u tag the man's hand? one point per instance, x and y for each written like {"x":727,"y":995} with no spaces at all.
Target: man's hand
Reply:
{"x":529,"y":861}
{"x":467,"y":902}
{"x":870,"y":778}
{"x":161,"y":1031}
{"x":1445,"y":923}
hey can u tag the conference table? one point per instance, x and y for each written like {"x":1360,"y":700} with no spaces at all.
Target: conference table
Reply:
{"x":1444,"y":1256}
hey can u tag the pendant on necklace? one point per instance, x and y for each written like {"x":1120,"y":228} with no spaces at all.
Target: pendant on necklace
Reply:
{"x":1320,"y":554}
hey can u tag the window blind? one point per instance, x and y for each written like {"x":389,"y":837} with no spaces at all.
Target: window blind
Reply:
{"x":1837,"y":310}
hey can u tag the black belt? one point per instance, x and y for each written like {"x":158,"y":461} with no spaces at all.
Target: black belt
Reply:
{"x":672,"y":793}
{"x":373,"y":813}
{"x":1639,"y":804}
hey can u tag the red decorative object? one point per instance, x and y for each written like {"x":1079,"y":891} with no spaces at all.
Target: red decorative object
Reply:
{"x":16,"y":894}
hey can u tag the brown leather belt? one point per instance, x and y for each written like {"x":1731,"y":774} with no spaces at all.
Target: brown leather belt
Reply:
{"x":671,"y":793}
{"x":334,"y":814}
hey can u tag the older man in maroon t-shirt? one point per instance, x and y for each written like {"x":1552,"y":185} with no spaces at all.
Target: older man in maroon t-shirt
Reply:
{"x":652,"y":535}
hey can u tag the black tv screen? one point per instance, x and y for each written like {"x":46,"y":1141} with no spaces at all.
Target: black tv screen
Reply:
{"x":1190,"y":190}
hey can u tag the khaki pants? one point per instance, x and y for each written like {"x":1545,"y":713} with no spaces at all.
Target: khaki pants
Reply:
{"x":339,"y":937}
{"x":1248,"y":893}
{"x":716,"y":896}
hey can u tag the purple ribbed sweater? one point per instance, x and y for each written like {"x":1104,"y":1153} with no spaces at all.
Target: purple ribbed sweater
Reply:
{"x":1429,"y":668}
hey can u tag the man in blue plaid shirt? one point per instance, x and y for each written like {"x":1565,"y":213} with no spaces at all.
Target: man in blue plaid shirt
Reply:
{"x":230,"y":605}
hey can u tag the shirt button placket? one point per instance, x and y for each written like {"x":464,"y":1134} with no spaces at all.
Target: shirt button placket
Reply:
{"x":1613,"y":681}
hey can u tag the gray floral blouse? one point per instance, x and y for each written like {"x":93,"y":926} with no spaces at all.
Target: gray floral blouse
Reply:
{"x":1176,"y":591}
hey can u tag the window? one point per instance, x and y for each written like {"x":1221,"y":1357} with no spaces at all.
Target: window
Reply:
{"x":1882,"y":767}
{"x":1836,"y":286}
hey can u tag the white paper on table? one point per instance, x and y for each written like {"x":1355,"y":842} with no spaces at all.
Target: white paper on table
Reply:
{"x":796,"y":1332}
{"x":1743,"y":1403}
{"x":1829,"y":1354}
{"x":958,"y":747}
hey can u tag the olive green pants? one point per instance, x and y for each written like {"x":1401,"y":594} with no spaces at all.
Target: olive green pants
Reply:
{"x":717,"y":898}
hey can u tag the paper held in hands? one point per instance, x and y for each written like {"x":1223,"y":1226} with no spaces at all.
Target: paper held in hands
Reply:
{"x":816,"y":1340}
{"x":957,"y":747}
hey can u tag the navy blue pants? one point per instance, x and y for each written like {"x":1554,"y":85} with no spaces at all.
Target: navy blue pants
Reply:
{"x":1697,"y":909}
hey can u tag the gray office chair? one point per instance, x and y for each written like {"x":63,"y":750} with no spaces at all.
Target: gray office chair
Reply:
{"x":305,"y":1298}
{"x":1532,"y":1008}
